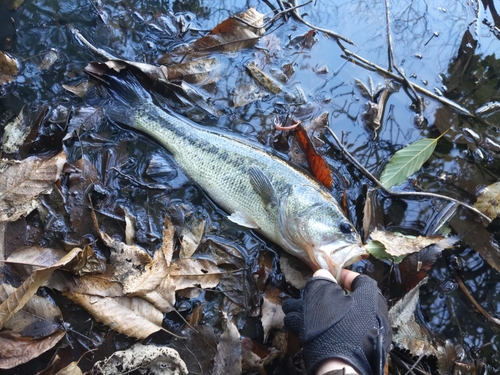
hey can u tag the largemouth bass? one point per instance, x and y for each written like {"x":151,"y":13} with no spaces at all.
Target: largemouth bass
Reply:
{"x":258,"y":190}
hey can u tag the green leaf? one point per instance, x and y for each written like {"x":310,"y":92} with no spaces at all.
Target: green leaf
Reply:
{"x":407,"y":161}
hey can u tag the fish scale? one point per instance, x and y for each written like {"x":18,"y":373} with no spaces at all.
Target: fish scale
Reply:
{"x":259,"y":190}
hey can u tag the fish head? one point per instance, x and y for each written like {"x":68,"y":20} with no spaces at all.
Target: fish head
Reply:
{"x":315,"y":229}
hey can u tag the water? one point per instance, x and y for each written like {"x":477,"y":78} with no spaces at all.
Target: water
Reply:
{"x":425,"y":37}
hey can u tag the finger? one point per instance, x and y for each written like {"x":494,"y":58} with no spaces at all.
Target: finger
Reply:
{"x":324,"y":273}
{"x":347,"y":277}
{"x":292,"y":305}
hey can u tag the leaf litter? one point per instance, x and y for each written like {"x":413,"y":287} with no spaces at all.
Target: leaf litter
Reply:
{"x":136,"y":288}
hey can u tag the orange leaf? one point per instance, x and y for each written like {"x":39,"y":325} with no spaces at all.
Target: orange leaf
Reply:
{"x":317,"y":163}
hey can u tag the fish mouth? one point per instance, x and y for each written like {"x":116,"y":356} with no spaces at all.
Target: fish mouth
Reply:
{"x":340,"y":254}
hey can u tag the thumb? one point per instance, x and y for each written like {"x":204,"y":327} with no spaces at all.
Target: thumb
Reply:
{"x":324,"y":273}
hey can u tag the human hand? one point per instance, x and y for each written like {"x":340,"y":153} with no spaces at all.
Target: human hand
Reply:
{"x":332,"y":325}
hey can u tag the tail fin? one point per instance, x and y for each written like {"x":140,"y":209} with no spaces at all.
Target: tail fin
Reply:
{"x":128,"y":95}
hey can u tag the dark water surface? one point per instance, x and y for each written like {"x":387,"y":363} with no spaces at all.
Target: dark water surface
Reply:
{"x":426,"y":39}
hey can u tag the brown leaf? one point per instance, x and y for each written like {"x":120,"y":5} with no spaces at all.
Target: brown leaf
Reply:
{"x":397,"y":244}
{"x":149,"y":359}
{"x":294,"y":271}
{"x":8,"y":68}
{"x":191,"y":236}
{"x":415,"y":266}
{"x":16,"y":349}
{"x":488,"y":202}
{"x":269,"y":84}
{"x":18,"y":299}
{"x":38,"y":318}
{"x":22,"y":182}
{"x":15,"y":133}
{"x":232,"y":34}
{"x":71,"y":369}
{"x":194,"y":72}
{"x":133,"y":316}
{"x":228,"y":355}
{"x":188,"y":273}
{"x":27,"y":260}
{"x":317,"y":163}
{"x":79,"y":90}
{"x":272,"y":313}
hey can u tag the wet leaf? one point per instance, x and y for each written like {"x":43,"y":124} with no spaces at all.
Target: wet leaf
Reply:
{"x":233,"y":34}
{"x":247,"y":93}
{"x":189,"y":273}
{"x":199,"y":71}
{"x":488,"y":201}
{"x":407,"y":161}
{"x":263,"y":79}
{"x":317,"y":163}
{"x":228,"y":355}
{"x":155,"y":360}
{"x":397,"y":244}
{"x":22,"y":182}
{"x":131,"y":316}
{"x":415,"y":266}
{"x":23,"y":294}
{"x":71,"y":369}
{"x":48,"y":59}
{"x":29,"y":259}
{"x":16,"y":349}
{"x":83,"y":119}
{"x":272,"y":312}
{"x":79,"y":90}
{"x":15,"y":133}
{"x":8,"y":68}
{"x":294,"y":271}
{"x":38,"y":318}
{"x":191,"y":236}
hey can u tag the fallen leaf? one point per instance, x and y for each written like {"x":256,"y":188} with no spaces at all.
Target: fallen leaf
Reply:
{"x":131,"y":316}
{"x":83,"y":119}
{"x":407,"y":161}
{"x":294,"y":271}
{"x":8,"y":68}
{"x":151,"y":359}
{"x":16,"y":349}
{"x":237,"y":32}
{"x":263,"y":79}
{"x":488,"y":201}
{"x":27,"y":260}
{"x":246,"y":93}
{"x":397,"y":244}
{"x":319,"y":167}
{"x":272,"y":312}
{"x":15,"y":133}
{"x":48,"y":59}
{"x":191,"y":236}
{"x":188,"y":273}
{"x":38,"y":318}
{"x":71,"y":369}
{"x":29,"y":287}
{"x":23,"y":181}
{"x":195,"y":72}
{"x":228,"y":354}
{"x":79,"y":90}
{"x":414,"y":267}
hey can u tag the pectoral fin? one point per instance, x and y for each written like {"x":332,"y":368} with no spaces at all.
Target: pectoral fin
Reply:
{"x":263,"y":187}
{"x":241,"y":219}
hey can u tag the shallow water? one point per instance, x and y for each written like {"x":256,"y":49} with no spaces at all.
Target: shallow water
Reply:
{"x":425,"y":38}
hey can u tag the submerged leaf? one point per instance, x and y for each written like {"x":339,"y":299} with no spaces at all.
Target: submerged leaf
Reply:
{"x":15,"y":134}
{"x":233,"y":34}
{"x":8,"y":68}
{"x":407,"y":161}
{"x":488,"y":202}
{"x":228,"y":357}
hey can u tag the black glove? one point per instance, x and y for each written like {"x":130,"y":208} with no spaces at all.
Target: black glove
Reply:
{"x":354,"y":328}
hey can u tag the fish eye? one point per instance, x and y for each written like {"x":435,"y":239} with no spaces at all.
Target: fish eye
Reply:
{"x":345,"y":227}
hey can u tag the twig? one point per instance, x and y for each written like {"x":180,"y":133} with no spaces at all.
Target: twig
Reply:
{"x":486,"y":314}
{"x":333,"y":34}
{"x":98,"y":51}
{"x":396,"y":77}
{"x":404,"y":193}
{"x":417,"y":101}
